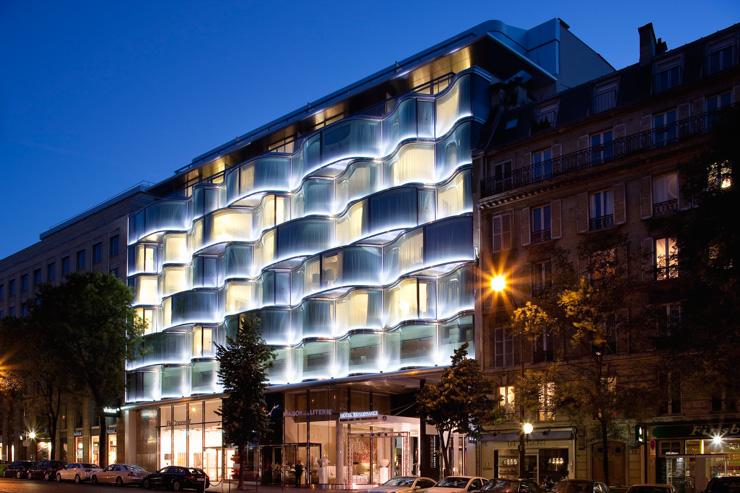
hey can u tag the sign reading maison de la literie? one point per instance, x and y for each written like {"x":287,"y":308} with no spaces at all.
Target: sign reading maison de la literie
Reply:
{"x":697,"y":430}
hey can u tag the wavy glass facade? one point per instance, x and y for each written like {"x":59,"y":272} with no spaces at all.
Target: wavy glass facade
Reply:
{"x":354,"y":251}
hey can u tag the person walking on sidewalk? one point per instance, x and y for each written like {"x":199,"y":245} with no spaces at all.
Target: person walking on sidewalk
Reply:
{"x":298,"y":473}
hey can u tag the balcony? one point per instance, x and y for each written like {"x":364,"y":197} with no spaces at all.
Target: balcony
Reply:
{"x":665,"y":208}
{"x":595,"y":156}
{"x":601,"y":222}
{"x":540,"y":235}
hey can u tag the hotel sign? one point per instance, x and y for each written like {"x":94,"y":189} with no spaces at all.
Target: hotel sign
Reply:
{"x":305,"y":414}
{"x":348,"y":416}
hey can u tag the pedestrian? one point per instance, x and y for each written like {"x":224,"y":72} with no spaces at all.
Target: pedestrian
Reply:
{"x":298,"y":473}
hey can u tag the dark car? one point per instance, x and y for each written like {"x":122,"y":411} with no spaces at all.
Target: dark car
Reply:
{"x":511,"y":486}
{"x":18,"y":469}
{"x":46,"y":469}
{"x":727,"y":484}
{"x":177,"y":478}
{"x":580,"y":486}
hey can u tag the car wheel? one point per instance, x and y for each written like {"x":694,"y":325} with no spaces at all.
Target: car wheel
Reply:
{"x":176,"y":486}
{"x":94,"y":480}
{"x":59,"y":478}
{"x":77,"y":479}
{"x":46,"y":476}
{"x":147,"y":484}
{"x":119,"y":481}
{"x":18,"y":475}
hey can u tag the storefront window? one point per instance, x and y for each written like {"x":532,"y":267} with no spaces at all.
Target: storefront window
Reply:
{"x":79,"y":449}
{"x":95,"y":449}
{"x":112,"y":446}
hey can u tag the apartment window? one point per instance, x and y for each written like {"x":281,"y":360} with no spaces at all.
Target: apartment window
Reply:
{"x":114,"y":245}
{"x":11,"y":287}
{"x":541,"y":164}
{"x":51,"y":272}
{"x":285,"y":145}
{"x":97,"y":253}
{"x":66,"y":266}
{"x":202,"y":342}
{"x":720,"y":176}
{"x":666,"y":76}
{"x":605,"y":97}
{"x":547,"y":115}
{"x":665,"y":193}
{"x":669,"y":318}
{"x":501,"y":174}
{"x":666,"y":258}
{"x":721,"y":56}
{"x":541,"y":220}
{"x":601,"y":210}
{"x":714,"y":104}
{"x":24,"y":284}
{"x":664,"y":127}
{"x":547,"y":401}
{"x":507,"y":394}
{"x":501,"y":232}
{"x":80,"y":265}
{"x":503,"y":346}
{"x":602,"y":147}
{"x":37,"y":280}
{"x":541,"y":277}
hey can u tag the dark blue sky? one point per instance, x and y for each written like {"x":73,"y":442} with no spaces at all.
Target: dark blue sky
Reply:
{"x":97,"y":96}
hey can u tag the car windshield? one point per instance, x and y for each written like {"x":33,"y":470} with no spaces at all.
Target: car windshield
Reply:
{"x":574,"y":487}
{"x":399,"y":482}
{"x":453,"y":482}
{"x":501,"y":486}
{"x":648,"y":489}
{"x":135,"y":468}
{"x":89,"y":466}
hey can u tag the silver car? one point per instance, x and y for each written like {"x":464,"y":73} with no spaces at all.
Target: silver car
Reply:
{"x":120,"y":475}
{"x":404,"y":484}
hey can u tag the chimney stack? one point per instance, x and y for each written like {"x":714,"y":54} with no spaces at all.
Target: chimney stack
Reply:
{"x":649,"y":46}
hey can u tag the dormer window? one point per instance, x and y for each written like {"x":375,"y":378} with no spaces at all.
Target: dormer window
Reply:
{"x":720,"y":56}
{"x":667,"y":74}
{"x":547,"y":115}
{"x":605,"y":96}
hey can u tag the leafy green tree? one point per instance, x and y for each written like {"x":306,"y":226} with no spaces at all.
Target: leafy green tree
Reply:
{"x":243,"y":365}
{"x":96,"y":330}
{"x":460,"y":403}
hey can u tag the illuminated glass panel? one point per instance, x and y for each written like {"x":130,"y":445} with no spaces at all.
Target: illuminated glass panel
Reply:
{"x":174,"y":279}
{"x":176,"y":248}
{"x":413,"y":163}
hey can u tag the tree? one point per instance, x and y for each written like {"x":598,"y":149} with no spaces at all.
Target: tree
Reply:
{"x":42,"y":367}
{"x":243,"y":366}
{"x":93,"y":323}
{"x":705,"y":347}
{"x":460,"y":403}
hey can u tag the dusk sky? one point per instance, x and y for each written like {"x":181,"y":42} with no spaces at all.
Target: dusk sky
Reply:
{"x":97,"y":96}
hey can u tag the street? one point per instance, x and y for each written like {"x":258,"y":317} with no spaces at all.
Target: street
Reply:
{"x":26,"y":486}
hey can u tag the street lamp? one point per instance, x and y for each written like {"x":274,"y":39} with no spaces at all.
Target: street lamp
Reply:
{"x":500,"y":285}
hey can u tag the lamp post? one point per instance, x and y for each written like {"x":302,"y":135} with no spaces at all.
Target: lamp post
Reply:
{"x":499,"y":285}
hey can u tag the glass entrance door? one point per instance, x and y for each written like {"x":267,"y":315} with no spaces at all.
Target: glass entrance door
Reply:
{"x":213,"y":462}
{"x":375,"y":457}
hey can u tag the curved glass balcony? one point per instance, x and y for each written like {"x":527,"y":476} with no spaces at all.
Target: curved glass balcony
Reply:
{"x":163,"y":215}
{"x":162,"y":348}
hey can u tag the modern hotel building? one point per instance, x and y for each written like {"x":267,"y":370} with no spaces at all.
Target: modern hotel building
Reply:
{"x":346,"y":227}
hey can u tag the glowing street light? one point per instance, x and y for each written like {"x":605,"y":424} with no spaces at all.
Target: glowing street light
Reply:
{"x":498,"y":283}
{"x":717,"y":440}
{"x":32,"y":435}
{"x":527,"y":428}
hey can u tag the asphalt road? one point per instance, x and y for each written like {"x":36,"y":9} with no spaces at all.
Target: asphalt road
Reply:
{"x":27,"y":486}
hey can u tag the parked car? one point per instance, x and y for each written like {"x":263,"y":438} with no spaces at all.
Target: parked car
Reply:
{"x":404,"y":484}
{"x":18,"y":469}
{"x":580,"y":486}
{"x":177,"y":478}
{"x":45,"y":469}
{"x":77,"y":472}
{"x":458,"y":484}
{"x":651,"y":488}
{"x":727,"y":484}
{"x":511,"y":486}
{"x":120,"y":475}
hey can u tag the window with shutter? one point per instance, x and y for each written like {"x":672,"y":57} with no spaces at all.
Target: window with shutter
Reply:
{"x":541,"y":223}
{"x":665,"y":194}
{"x":501,"y":232}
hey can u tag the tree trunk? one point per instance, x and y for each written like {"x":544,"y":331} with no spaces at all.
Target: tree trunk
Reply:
{"x":605,"y":447}
{"x":240,"y":449}
{"x":102,"y":441}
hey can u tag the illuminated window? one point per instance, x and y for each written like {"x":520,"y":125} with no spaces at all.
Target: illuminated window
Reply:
{"x":312,"y":276}
{"x":246,"y":179}
{"x":506,"y":395}
{"x":352,"y":311}
{"x":403,"y":302}
{"x":451,"y":197}
{"x":265,"y":249}
{"x":146,"y":316}
{"x":229,"y":225}
{"x":196,"y":235}
{"x":666,"y":258}
{"x":202,"y":341}
{"x":176,"y":248}
{"x":414,"y":163}
{"x":331,"y":269}
{"x":448,"y":110}
{"x":240,"y":296}
{"x":146,"y":258}
{"x":349,"y":227}
{"x":720,"y":176}
{"x":411,"y":251}
{"x":147,"y":292}
{"x":174,"y":280}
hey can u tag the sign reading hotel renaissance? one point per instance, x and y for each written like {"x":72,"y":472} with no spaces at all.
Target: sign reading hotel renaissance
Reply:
{"x":348,"y":416}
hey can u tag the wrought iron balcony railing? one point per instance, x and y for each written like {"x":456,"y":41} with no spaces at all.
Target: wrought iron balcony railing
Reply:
{"x":599,"y":155}
{"x":601,"y":222}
